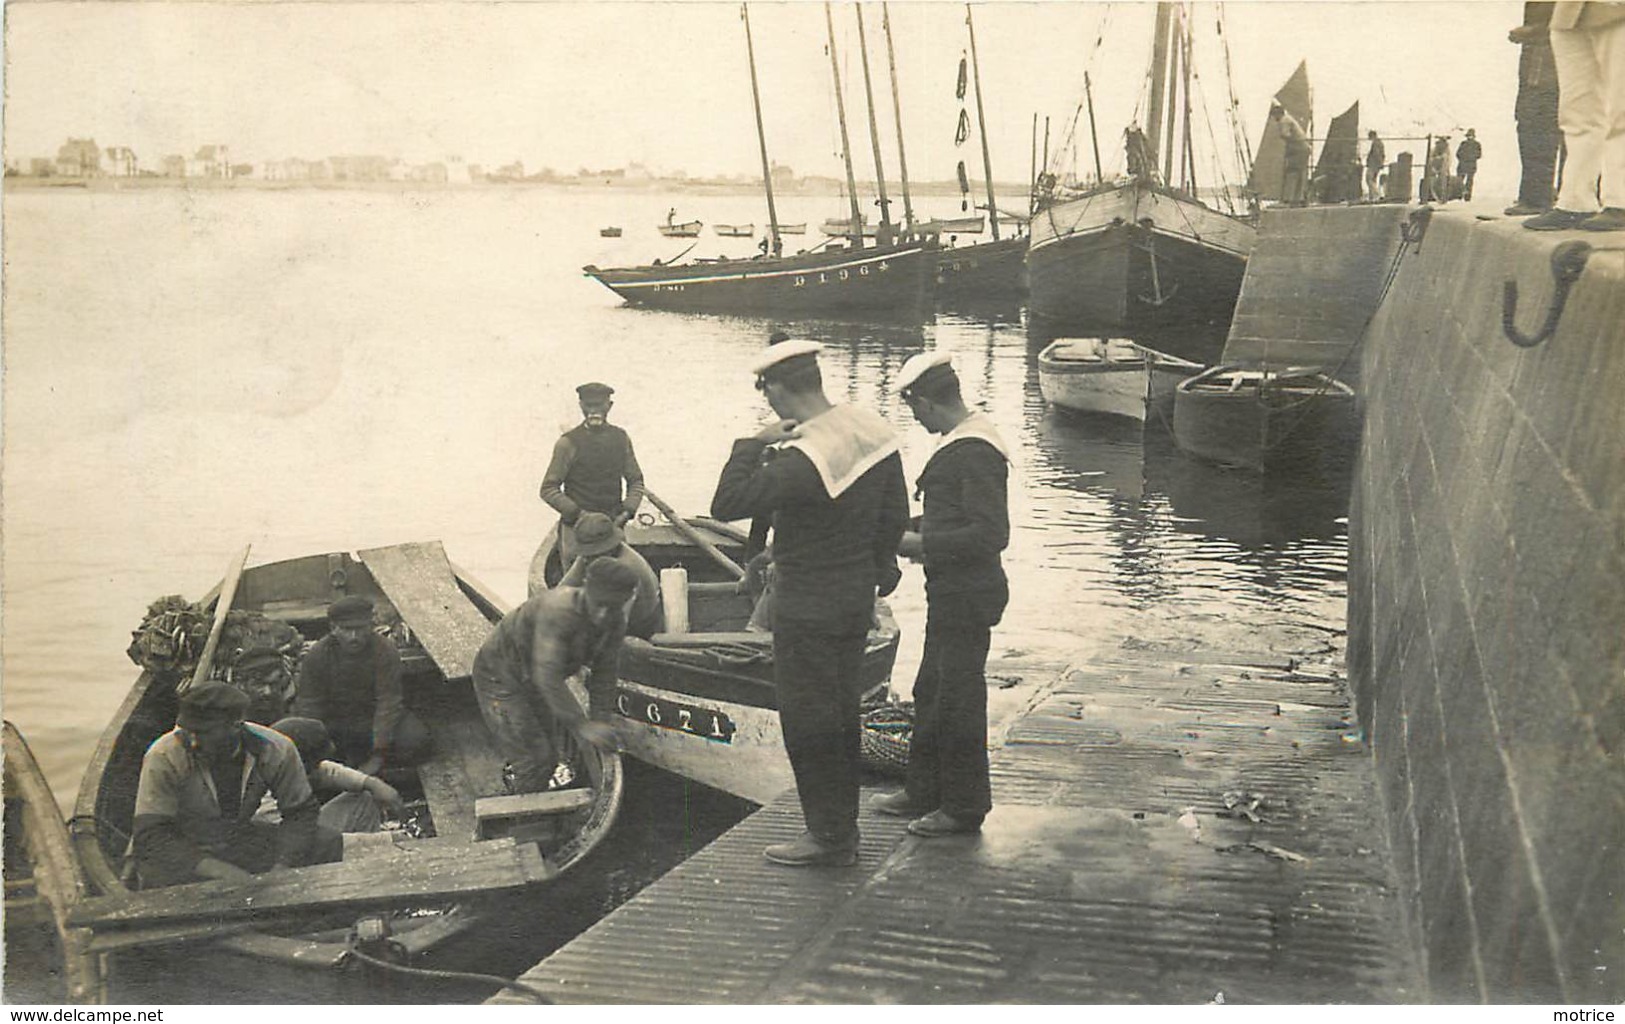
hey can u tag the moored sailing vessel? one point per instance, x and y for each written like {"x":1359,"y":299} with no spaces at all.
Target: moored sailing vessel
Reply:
{"x":1143,"y":254}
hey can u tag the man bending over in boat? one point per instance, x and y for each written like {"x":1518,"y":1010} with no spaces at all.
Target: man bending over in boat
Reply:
{"x":597,"y":537}
{"x":200,"y":785}
{"x":351,"y":683}
{"x":521,"y":671}
{"x":589,"y":463}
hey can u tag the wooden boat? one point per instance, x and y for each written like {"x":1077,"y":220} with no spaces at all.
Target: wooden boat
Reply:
{"x":1131,"y":256}
{"x":956,"y":225}
{"x":841,"y":227}
{"x":735,"y":230}
{"x":892,"y":280}
{"x":609,"y":232}
{"x":1288,"y":420}
{"x":983,"y":271}
{"x":288,"y":935}
{"x":702,"y":703}
{"x":687,"y":229}
{"x":46,"y":959}
{"x":1109,"y":376}
{"x":793,"y":229}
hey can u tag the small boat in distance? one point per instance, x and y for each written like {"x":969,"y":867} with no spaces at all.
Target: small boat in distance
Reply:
{"x":609,"y":232}
{"x":700,"y":701}
{"x":956,"y":225}
{"x":464,"y":859}
{"x":735,"y":230}
{"x":687,"y":229}
{"x":793,"y":229}
{"x":839,"y":227}
{"x":1110,"y":376}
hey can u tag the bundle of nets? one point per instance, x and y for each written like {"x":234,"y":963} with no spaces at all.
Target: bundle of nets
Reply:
{"x":887,"y":728}
{"x":260,"y":656}
{"x":170,"y":638}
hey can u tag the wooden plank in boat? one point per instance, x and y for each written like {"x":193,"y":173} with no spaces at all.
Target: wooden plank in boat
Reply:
{"x":495,"y":812}
{"x":711,"y":639}
{"x":418,"y":580}
{"x":423,"y":870}
{"x":463,"y":768}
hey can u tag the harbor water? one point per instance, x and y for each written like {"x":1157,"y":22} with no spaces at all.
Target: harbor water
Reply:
{"x":189,"y":371}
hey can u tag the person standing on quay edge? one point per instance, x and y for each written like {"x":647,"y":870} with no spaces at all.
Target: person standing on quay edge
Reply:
{"x":589,"y":463}
{"x":831,"y":478}
{"x":1536,"y":111}
{"x":965,"y":525}
{"x":1376,"y":158}
{"x":1467,"y":156}
{"x":1588,"y":42}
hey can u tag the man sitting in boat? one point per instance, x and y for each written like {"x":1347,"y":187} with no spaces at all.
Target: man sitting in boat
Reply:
{"x":200,"y":785}
{"x":351,"y":683}
{"x":521,"y":670}
{"x":598,"y":537}
{"x":589,"y":464}
{"x":352,"y":800}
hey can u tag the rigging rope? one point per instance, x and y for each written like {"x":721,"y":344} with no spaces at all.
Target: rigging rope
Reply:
{"x":540,"y":995}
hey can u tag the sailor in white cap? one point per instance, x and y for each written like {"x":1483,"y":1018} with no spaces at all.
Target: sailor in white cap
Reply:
{"x":830,"y":478}
{"x":966,"y":523}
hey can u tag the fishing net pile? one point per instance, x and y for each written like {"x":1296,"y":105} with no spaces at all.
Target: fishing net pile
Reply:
{"x":255,"y":653}
{"x":170,"y":638}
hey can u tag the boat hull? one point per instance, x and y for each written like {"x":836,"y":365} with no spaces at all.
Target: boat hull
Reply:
{"x":987,"y":270}
{"x":1113,"y":378}
{"x":893,"y":281}
{"x":687,"y":229}
{"x":1135,"y":260}
{"x":1308,"y":423}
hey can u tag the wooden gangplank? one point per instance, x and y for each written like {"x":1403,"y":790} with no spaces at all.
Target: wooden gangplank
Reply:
{"x":418,"y":580}
{"x":419,"y":871}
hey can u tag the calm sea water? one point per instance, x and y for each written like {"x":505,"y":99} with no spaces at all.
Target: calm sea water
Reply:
{"x":187,"y":372}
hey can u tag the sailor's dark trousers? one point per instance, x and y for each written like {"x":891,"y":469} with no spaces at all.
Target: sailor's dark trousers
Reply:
{"x":947,"y":755}
{"x":818,"y":671}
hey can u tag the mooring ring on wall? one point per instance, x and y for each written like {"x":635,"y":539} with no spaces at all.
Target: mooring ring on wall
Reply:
{"x":1568,"y":263}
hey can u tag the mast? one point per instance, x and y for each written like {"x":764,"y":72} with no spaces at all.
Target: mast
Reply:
{"x":1094,"y":139}
{"x":1159,"y":82}
{"x":761,"y":138}
{"x":1032,"y":174}
{"x":856,"y":234}
{"x":1176,"y":35}
{"x":1187,"y":171}
{"x":884,"y":235}
{"x":897,"y":115}
{"x":981,"y":126}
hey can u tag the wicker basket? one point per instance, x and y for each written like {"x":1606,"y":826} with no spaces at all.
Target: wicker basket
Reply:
{"x":887,"y":729}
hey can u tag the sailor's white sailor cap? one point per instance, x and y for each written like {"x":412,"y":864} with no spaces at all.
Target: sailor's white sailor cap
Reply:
{"x":921,"y":364}
{"x":779,"y":352}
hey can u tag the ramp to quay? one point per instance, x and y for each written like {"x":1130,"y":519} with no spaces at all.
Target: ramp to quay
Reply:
{"x":1170,"y":827}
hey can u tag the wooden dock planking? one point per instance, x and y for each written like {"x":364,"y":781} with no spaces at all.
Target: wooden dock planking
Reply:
{"x":418,"y":580}
{"x":419,"y":870}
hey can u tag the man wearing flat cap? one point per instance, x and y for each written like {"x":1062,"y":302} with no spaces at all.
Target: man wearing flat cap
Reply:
{"x":831,"y":479}
{"x":522,"y":669}
{"x":200,"y":786}
{"x":965,"y":525}
{"x":350,"y":681}
{"x":597,"y":537}
{"x":590,"y":463}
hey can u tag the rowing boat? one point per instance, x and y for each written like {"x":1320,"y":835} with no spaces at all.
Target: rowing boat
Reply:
{"x":702,"y":703}
{"x":404,"y":895}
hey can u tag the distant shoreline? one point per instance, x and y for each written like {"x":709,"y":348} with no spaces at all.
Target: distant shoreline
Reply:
{"x":662,"y":187}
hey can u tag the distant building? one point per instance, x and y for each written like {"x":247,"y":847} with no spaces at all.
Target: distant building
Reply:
{"x":783,"y":176}
{"x":41,"y":166}
{"x":458,"y":172}
{"x":366,"y":167}
{"x":210,"y":162}
{"x":173,"y":166}
{"x":79,"y":158}
{"x":509,"y":172}
{"x":121,"y":162}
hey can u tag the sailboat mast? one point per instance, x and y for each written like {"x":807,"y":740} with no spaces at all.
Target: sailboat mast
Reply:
{"x":856,"y":234}
{"x":761,"y":137}
{"x":897,"y":115}
{"x":874,"y":131}
{"x":981,"y":126}
{"x":1032,"y":173}
{"x":1172,"y":94}
{"x":1187,"y":171}
{"x":1094,"y":138}
{"x":1159,"y":83}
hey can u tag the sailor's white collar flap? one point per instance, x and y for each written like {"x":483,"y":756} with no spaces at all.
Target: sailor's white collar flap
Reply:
{"x":977,"y":426}
{"x":843,"y":443}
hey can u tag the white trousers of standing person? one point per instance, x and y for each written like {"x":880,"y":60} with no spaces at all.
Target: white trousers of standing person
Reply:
{"x":1591,"y":112}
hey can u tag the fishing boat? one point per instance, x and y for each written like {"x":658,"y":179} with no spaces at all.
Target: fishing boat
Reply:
{"x":687,"y":229}
{"x":793,"y":229}
{"x":701,"y":702}
{"x":835,"y":280}
{"x":956,"y":225}
{"x":317,"y":933}
{"x":46,"y":959}
{"x":734,"y":230}
{"x":1109,"y":376}
{"x":609,"y":232}
{"x":841,"y":227}
{"x":1294,"y":419}
{"x":1143,"y":253}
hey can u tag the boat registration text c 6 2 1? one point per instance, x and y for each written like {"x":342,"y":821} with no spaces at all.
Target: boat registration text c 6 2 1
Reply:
{"x":707,"y":723}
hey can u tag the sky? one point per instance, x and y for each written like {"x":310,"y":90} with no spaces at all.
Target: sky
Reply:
{"x":570,"y":85}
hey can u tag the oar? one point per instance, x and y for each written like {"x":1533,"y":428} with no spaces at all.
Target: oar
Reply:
{"x":694,"y":535}
{"x":222,"y":605}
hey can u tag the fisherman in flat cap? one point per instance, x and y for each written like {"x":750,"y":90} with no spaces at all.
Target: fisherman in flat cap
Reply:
{"x":200,"y":786}
{"x":966,"y":523}
{"x":350,"y":681}
{"x":522,"y":670}
{"x":831,"y":479}
{"x":590,"y":463}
